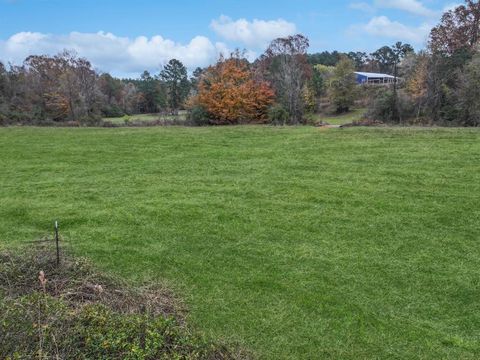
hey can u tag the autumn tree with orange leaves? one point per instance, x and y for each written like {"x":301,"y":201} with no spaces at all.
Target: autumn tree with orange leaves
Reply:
{"x":231,"y":94}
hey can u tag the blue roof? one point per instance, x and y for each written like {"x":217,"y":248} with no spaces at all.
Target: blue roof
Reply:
{"x":374,"y":75}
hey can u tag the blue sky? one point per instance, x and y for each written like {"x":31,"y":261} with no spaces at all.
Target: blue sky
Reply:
{"x":125,"y":37}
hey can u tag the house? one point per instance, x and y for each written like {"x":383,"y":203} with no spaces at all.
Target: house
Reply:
{"x":374,"y":78}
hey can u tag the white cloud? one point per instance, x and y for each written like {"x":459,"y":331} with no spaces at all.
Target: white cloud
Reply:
{"x":451,"y":6}
{"x":256,"y":34}
{"x":362,"y":6}
{"x":412,"y":6}
{"x":108,"y":52}
{"x":382,"y":26}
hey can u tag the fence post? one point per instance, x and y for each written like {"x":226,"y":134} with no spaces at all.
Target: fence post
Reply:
{"x":56,"y":243}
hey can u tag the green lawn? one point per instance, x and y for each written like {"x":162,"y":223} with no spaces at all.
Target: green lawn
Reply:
{"x":298,"y":242}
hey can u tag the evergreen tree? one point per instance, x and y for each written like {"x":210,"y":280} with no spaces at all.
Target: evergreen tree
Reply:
{"x":174,"y":74}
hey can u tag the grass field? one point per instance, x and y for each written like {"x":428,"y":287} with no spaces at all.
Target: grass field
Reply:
{"x":354,"y":115}
{"x":122,"y":120}
{"x":298,"y":242}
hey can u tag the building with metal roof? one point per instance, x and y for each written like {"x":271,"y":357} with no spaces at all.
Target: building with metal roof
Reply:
{"x":374,"y":78}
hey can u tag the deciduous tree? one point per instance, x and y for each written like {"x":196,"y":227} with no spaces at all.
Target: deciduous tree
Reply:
{"x":416,"y":80}
{"x":458,"y":29}
{"x":343,"y":84}
{"x":468,"y":93}
{"x":229,"y":92}
{"x":285,"y":64}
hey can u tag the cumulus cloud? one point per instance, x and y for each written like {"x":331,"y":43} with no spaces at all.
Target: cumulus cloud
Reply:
{"x":412,"y":6}
{"x":108,"y":52}
{"x":382,"y":26}
{"x":256,"y":34}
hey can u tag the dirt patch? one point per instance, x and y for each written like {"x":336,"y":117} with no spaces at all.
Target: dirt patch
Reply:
{"x":77,"y":282}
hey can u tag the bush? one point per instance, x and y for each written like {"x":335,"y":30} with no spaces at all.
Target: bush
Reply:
{"x":39,"y":325}
{"x":3,"y":120}
{"x":112,"y":111}
{"x":198,"y":116}
{"x":92,"y":120}
{"x":278,"y":115}
{"x":384,"y":107}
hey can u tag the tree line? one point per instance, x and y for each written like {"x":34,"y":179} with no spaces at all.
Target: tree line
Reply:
{"x":441,"y":84}
{"x":65,"y":87}
{"x":437,"y":85}
{"x":378,"y":61}
{"x":281,"y":86}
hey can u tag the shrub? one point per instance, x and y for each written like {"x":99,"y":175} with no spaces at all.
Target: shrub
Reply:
{"x":3,"y":120}
{"x":39,"y":325}
{"x":91,"y":120}
{"x":198,"y":116}
{"x":278,"y":115}
{"x":386,"y":108}
{"x":112,"y":111}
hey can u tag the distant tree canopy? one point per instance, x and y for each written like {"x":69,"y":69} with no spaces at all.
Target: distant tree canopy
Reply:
{"x":380,"y":60}
{"x":387,"y":57}
{"x":59,"y":87}
{"x":325,"y":58}
{"x":65,"y":87}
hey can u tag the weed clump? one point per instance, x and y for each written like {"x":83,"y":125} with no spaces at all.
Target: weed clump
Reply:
{"x":74,"y":312}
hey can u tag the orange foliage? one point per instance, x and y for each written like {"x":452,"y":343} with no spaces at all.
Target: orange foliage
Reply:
{"x":229,"y":92}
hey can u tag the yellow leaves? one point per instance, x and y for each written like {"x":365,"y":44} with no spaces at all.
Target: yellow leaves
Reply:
{"x":417,"y":84}
{"x":309,"y":98}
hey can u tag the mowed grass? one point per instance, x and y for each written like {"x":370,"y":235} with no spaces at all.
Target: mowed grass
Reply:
{"x":348,"y":118}
{"x":302,"y":242}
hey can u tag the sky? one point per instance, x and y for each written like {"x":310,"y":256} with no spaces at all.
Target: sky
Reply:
{"x":126,"y":37}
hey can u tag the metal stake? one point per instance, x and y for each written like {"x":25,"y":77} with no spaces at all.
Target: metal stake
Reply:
{"x":56,"y":242}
